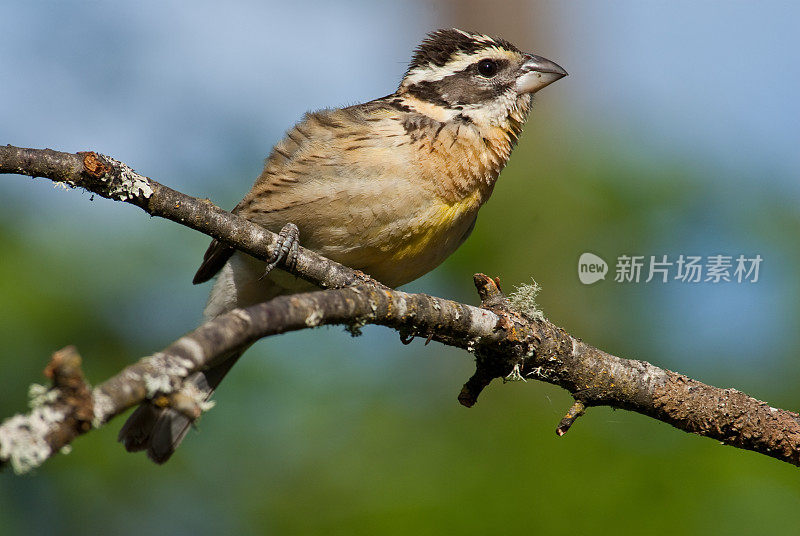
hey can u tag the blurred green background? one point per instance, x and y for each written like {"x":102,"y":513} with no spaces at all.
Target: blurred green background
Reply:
{"x":675,"y":133}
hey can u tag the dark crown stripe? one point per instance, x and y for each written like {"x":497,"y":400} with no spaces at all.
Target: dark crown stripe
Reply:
{"x":441,"y":45}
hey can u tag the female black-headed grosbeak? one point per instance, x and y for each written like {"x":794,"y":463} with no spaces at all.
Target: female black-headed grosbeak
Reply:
{"x":390,"y":187}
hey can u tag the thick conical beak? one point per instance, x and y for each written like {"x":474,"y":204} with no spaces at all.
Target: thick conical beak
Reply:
{"x":536,"y":73}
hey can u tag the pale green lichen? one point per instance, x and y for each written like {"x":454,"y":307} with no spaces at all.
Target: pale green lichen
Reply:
{"x":23,"y":441}
{"x":196,"y":397}
{"x":40,"y":395}
{"x":515,"y":375}
{"x":314,"y":319}
{"x":523,"y":300}
{"x":130,"y":184}
{"x":103,"y":408}
{"x":157,"y":383}
{"x":165,"y":373}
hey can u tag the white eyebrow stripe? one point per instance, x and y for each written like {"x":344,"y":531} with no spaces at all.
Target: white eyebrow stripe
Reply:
{"x":459,"y":62}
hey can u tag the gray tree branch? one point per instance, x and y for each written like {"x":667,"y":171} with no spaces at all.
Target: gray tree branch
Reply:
{"x":109,"y":178}
{"x":505,"y":343}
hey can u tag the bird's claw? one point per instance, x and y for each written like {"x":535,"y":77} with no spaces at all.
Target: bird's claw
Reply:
{"x":286,"y":248}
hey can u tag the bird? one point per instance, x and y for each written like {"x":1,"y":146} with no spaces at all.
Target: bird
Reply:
{"x":390,"y":187}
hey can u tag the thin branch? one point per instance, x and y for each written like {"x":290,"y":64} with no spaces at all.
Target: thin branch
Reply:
{"x":58,"y":415}
{"x":506,"y":344}
{"x":109,"y":178}
{"x":575,"y":411}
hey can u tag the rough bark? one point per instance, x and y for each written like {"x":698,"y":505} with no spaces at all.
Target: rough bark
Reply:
{"x":505,"y":343}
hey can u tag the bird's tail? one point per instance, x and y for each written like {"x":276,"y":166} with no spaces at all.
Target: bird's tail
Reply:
{"x":240,"y":283}
{"x":159,"y":430}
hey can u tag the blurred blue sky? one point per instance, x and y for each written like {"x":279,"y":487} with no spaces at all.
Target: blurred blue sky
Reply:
{"x":194,"y":94}
{"x":167,"y":81}
{"x":702,"y":79}
{"x":699,"y":95}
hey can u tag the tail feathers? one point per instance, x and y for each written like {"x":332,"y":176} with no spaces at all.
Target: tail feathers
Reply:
{"x":135,"y":433}
{"x":160,"y":431}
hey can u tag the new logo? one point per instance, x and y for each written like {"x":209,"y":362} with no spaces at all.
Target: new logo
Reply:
{"x":591,"y":268}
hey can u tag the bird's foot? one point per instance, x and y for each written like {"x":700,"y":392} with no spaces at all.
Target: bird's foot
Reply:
{"x":286,"y":248}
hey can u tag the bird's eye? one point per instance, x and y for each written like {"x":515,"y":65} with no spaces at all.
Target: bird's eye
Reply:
{"x":487,"y":68}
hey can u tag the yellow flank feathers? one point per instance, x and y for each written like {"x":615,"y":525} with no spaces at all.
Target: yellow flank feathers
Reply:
{"x":442,"y":221}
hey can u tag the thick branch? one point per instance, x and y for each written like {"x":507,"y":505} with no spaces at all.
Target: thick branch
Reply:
{"x":500,"y":341}
{"x":506,"y":344}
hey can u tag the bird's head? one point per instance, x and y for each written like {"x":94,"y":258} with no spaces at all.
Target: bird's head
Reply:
{"x":474,"y":77}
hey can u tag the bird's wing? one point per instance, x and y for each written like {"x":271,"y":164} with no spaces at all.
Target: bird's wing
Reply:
{"x":214,"y":259}
{"x":312,"y":152}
